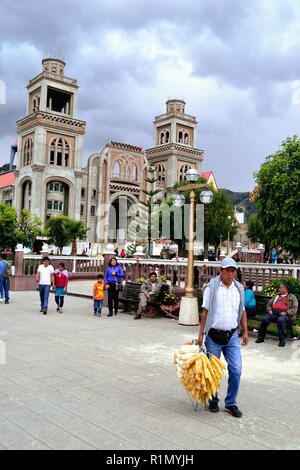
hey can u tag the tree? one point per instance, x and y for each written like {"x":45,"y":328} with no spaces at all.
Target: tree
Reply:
{"x":28,"y":228}
{"x":219,"y":218}
{"x":63,"y":230}
{"x":8,"y":226}
{"x":13,"y":231}
{"x":150,"y":203}
{"x":278,"y":196}
{"x":255,"y":229}
{"x":77,"y":230}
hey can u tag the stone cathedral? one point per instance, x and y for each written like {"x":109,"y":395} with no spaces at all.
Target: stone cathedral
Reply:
{"x":49,"y":176}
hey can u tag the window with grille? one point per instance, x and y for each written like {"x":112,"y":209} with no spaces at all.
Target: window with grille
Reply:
{"x":28,"y":151}
{"x":59,"y":152}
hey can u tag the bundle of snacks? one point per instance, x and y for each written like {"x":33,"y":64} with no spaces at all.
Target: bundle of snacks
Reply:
{"x":199,"y":373}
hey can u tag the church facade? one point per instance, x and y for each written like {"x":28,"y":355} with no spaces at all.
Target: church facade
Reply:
{"x":50,"y":179}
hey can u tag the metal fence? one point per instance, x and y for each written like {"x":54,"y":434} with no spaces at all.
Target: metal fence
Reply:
{"x":174,"y":271}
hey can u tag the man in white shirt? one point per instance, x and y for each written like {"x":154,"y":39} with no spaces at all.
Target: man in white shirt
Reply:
{"x":223,"y":312}
{"x":45,"y":278}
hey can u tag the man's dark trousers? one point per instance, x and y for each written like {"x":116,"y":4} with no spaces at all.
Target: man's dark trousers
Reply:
{"x":281,"y":325}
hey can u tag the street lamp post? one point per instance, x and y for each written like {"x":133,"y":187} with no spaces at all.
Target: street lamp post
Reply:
{"x":189,"y":313}
{"x":231,"y":225}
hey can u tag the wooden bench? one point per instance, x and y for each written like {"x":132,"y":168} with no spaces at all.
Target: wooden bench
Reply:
{"x":290,"y":326}
{"x":131,"y":296}
{"x":261,"y":306}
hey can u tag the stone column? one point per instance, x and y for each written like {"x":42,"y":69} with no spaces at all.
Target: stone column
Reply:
{"x":19,"y":259}
{"x":45,"y":250}
{"x":139,"y":254}
{"x":261,"y":248}
{"x":239,"y":248}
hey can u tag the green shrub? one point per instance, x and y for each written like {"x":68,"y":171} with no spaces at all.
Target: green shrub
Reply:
{"x":272,"y":288}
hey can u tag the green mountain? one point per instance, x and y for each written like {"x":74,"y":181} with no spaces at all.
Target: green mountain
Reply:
{"x":241,"y":202}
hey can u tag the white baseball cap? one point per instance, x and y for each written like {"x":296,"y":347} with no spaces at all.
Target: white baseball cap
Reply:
{"x":228,"y":263}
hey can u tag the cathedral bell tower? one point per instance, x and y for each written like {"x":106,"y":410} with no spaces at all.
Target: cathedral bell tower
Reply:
{"x":50,"y":143}
{"x":175,"y":137}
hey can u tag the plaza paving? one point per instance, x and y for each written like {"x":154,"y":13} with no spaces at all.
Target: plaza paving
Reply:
{"x":74,"y":381}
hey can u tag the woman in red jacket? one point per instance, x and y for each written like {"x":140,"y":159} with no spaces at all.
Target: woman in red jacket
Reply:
{"x":61,"y":278}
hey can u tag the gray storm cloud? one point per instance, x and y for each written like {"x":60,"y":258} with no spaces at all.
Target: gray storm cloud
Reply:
{"x":234,"y":62}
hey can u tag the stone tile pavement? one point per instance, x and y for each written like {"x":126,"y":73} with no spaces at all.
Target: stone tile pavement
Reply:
{"x":74,"y":381}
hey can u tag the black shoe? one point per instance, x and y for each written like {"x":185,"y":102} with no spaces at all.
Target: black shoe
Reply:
{"x":45,"y":312}
{"x":7,"y":301}
{"x":260,"y":340}
{"x":281,"y":344}
{"x":234,"y":411}
{"x":110,"y":315}
{"x":137,"y":316}
{"x":116,"y":313}
{"x":213,"y":407}
{"x":57,"y":309}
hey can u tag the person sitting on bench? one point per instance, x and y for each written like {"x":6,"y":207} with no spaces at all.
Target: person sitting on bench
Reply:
{"x":281,"y":310}
{"x":149,"y":291}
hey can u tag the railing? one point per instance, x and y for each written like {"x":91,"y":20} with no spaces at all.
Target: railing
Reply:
{"x":74,"y":264}
{"x":175,"y":271}
{"x":247,"y":255}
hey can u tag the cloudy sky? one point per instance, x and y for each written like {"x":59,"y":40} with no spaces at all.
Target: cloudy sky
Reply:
{"x":235,"y":63}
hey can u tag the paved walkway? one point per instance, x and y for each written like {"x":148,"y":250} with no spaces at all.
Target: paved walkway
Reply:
{"x":74,"y":381}
{"x":81,"y":287}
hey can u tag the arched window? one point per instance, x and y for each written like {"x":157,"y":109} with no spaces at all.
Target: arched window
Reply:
{"x":167,"y":136}
{"x":93,"y":210}
{"x":162,"y":138}
{"x":28,"y":151}
{"x":161,"y":172}
{"x":66,"y":154}
{"x":186,"y":138}
{"x":180,"y":137}
{"x":125,"y":175}
{"x":133,"y":172}
{"x":116,"y":170}
{"x":59,"y":152}
{"x":36,"y":103}
{"x":94,"y":194}
{"x":183,"y":171}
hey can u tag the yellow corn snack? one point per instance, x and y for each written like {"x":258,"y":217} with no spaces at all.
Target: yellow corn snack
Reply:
{"x":199,"y":374}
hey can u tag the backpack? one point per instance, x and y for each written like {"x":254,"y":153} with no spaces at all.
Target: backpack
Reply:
{"x":7,"y":270}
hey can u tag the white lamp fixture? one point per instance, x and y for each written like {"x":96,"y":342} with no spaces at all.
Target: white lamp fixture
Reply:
{"x":178,"y":199}
{"x":192,"y":175}
{"x":206,"y":197}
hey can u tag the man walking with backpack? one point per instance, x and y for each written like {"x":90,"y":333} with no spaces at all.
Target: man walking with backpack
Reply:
{"x":4,"y":278}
